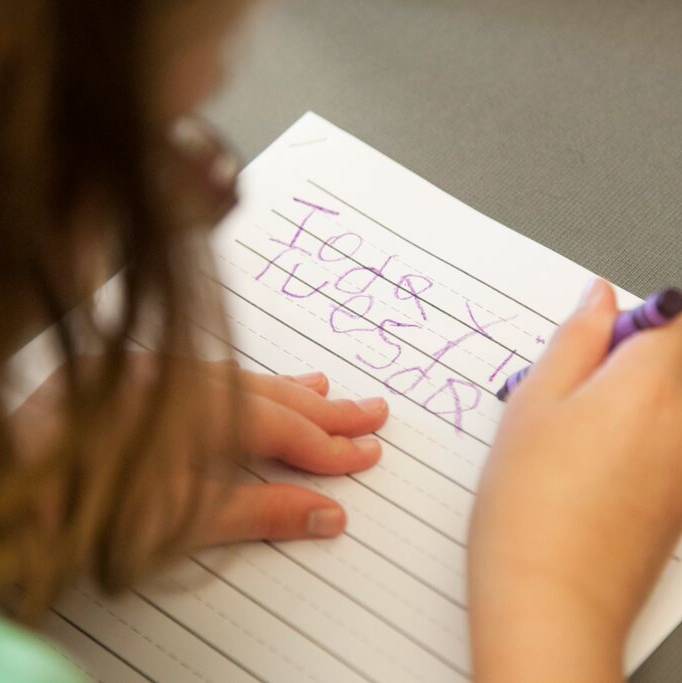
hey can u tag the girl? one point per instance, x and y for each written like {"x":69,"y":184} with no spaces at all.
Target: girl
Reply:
{"x":124,"y":460}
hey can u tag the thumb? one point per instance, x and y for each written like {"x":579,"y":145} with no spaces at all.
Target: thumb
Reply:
{"x":579,"y":347}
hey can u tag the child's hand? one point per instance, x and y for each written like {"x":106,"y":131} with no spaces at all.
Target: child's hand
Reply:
{"x":281,"y":417}
{"x":580,"y":504}
{"x":290,"y":419}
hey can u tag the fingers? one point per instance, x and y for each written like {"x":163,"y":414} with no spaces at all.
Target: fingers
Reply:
{"x":276,"y":512}
{"x":579,"y":347}
{"x":315,"y":381}
{"x":347,"y":418}
{"x":274,"y":430}
{"x":648,"y":365}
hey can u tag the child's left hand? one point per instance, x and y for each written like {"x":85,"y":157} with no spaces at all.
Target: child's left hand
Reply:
{"x":284,"y":418}
{"x":290,"y":418}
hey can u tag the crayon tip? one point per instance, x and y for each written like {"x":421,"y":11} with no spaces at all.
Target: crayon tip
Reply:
{"x":503,"y":393}
{"x":670,"y":303}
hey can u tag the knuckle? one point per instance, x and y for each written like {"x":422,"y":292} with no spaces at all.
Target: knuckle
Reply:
{"x":345,"y":408}
{"x":269,"y":523}
{"x":339,"y":446}
{"x":277,"y":514}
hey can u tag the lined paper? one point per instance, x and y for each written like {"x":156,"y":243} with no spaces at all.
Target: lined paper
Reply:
{"x":340,"y":260}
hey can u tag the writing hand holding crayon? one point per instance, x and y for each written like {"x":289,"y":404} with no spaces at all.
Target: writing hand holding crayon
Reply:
{"x":658,"y":310}
{"x":579,"y":507}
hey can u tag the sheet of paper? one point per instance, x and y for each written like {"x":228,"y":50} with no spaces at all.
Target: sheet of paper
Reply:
{"x":340,"y":260}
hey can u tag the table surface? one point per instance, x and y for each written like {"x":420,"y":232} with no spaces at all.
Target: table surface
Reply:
{"x":561,"y":119}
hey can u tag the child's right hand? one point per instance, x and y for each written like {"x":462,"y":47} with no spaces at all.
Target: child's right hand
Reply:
{"x":580,"y":505}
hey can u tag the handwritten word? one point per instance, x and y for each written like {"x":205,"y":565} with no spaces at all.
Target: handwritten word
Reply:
{"x":354,"y":295}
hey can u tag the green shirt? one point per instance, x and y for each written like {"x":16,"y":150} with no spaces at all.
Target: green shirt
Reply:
{"x":25,"y":658}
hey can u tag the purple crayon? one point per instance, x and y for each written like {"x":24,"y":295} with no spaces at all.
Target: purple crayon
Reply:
{"x":659,"y":309}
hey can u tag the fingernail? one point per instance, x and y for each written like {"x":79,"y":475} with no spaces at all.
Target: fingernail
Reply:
{"x":326,"y":523}
{"x":372,"y":406}
{"x":368,"y":445}
{"x":592,"y":295}
{"x":312,"y":379}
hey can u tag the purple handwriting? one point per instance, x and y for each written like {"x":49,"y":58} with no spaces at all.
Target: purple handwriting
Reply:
{"x":345,"y":310}
{"x":501,"y":366}
{"x":292,"y":247}
{"x":423,"y":373}
{"x":398,"y":349}
{"x":336,"y":244}
{"x":453,"y":397}
{"x":368,"y":275}
{"x":414,"y":292}
{"x":312,"y":290}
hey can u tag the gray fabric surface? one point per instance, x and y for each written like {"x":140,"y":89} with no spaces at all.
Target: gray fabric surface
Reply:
{"x":560,"y":118}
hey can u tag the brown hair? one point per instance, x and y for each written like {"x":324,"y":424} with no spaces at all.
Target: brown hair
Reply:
{"x":76,"y":130}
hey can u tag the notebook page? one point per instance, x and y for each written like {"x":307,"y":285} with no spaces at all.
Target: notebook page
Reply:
{"x":340,"y":260}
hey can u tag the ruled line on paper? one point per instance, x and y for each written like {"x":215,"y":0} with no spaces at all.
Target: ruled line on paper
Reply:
{"x":339,"y":382}
{"x":262,"y":478}
{"x":357,"y":478}
{"x":398,"y":570}
{"x":423,"y":374}
{"x":423,"y":434}
{"x":422,"y":324}
{"x":426,"y":251}
{"x":353,"y":365}
{"x":101,"y":644}
{"x":198,"y":636}
{"x":379,"y":436}
{"x":397,"y":566}
{"x":264,"y":366}
{"x":231,"y":620}
{"x":340,"y":625}
{"x":412,"y":514}
{"x":463,"y":392}
{"x":288,"y":623}
{"x":391,"y":333}
{"x":76,"y":663}
{"x":377,"y":552}
{"x":114,"y":610}
{"x":389,"y":281}
{"x":447,"y":286}
{"x":282,"y":550}
{"x":386,"y":558}
{"x":280,"y":348}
